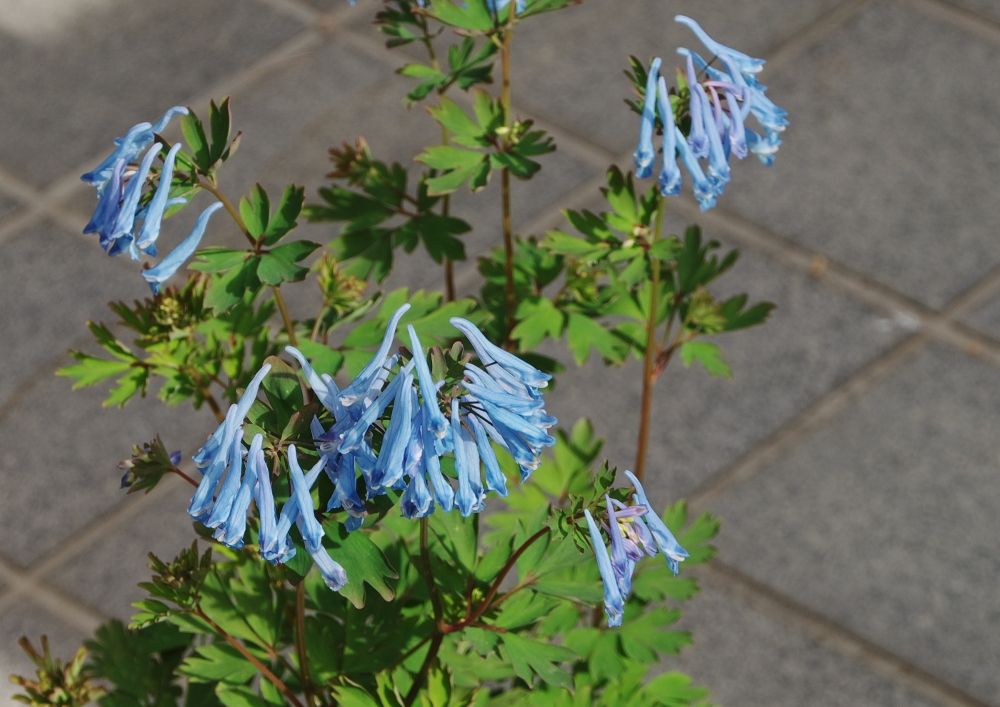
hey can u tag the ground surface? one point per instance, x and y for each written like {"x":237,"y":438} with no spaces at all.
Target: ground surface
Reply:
{"x":854,"y":457}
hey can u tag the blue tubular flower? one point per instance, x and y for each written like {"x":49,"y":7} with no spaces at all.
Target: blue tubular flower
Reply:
{"x":444,"y":494}
{"x":746,"y":63}
{"x":669,"y":180}
{"x":230,"y":485}
{"x":718,"y":163}
{"x":469,"y":496}
{"x":433,"y":417}
{"x":764,"y":148}
{"x":153,"y":215}
{"x":264,"y":498}
{"x":490,"y":354}
{"x":214,"y":456}
{"x":312,"y":531}
{"x":664,"y":539}
{"x":416,"y":501}
{"x":355,"y":436}
{"x":737,"y":131}
{"x":345,"y":488}
{"x":357,"y":389}
{"x":325,"y":388}
{"x":119,"y":235}
{"x":389,"y":465}
{"x":171,"y":262}
{"x":614,"y":604}
{"x":109,"y":197}
{"x":495,"y":480}
{"x":333,"y":574}
{"x":704,"y":193}
{"x":645,"y":153}
{"x":621,"y":563}
{"x":231,"y":532}
{"x":696,"y":107}
{"x":128,"y":148}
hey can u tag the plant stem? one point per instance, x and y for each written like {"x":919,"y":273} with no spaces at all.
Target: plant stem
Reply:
{"x":184,"y":476}
{"x":425,"y":560}
{"x":300,"y":640}
{"x":649,"y":360}
{"x":212,"y":189}
{"x":418,"y":681}
{"x":506,"y":222}
{"x":253,"y":660}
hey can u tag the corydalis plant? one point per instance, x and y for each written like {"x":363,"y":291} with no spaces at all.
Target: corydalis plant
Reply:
{"x":366,"y":438}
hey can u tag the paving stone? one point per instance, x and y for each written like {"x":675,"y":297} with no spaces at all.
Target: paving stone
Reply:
{"x":885,"y":519}
{"x":986,"y":318}
{"x":60,"y":453}
{"x":986,"y":8}
{"x":748,"y":657}
{"x":104,"y":576}
{"x":27,"y":619}
{"x":58,"y":280}
{"x":889,"y":118}
{"x":568,"y":67}
{"x":118,"y":64}
{"x":814,"y":340}
{"x":7,"y":205}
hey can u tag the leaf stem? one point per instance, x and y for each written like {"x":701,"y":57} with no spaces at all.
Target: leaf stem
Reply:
{"x":253,"y":660}
{"x":649,"y":360}
{"x":279,"y":300}
{"x":300,"y":641}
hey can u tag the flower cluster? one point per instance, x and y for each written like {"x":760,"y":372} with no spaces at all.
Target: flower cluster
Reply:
{"x":499,"y":403}
{"x":635,"y":531}
{"x":719,"y":105}
{"x":123,"y":219}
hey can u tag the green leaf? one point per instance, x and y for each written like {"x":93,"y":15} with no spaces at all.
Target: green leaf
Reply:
{"x":451,"y":116}
{"x":473,"y":15}
{"x":214,"y":259}
{"x":226,"y":289}
{"x":584,"y":333}
{"x":283,"y":219}
{"x":254,"y":209}
{"x":537,"y":319}
{"x":364,"y":562}
{"x":240,"y":696}
{"x":194,"y":136}
{"x":449,"y":157}
{"x":529,"y":658}
{"x":218,"y":662}
{"x":219,"y":118}
{"x":91,"y":370}
{"x":708,"y":355}
{"x":281,"y":264}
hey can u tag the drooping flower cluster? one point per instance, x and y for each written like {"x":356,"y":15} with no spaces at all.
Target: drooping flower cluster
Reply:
{"x":499,"y":403}
{"x":724,"y":93}
{"x":122,"y":219}
{"x":635,"y":531}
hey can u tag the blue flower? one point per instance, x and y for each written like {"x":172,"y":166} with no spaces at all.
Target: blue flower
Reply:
{"x":716,"y":130}
{"x":153,"y":215}
{"x":664,"y":539}
{"x":635,"y":531}
{"x":614,"y":603}
{"x":745,"y":63}
{"x":172,"y":262}
{"x":216,"y":455}
{"x":669,"y":180}
{"x":128,"y":148}
{"x":645,"y":153}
